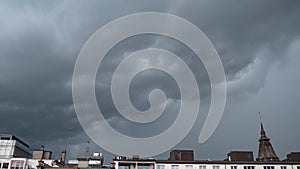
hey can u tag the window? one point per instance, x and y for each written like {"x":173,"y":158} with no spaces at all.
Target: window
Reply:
{"x":216,"y":167}
{"x":282,"y":167}
{"x":123,"y":167}
{"x":5,"y":138}
{"x":188,"y":167}
{"x":249,"y":167}
{"x":5,"y":165}
{"x":144,"y":166}
{"x":141,"y":166}
{"x":160,"y":166}
{"x":17,"y":164}
{"x":174,"y":166}
{"x":268,"y":167}
{"x":202,"y":167}
{"x":233,"y":167}
{"x":298,"y":167}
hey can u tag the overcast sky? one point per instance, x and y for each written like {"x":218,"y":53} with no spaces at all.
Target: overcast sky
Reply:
{"x":258,"y":43}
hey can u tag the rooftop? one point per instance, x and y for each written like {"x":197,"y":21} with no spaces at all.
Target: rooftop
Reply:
{"x":12,"y":137}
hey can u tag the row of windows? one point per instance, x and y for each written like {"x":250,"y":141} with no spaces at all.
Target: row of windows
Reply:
{"x":187,"y":167}
{"x":218,"y":167}
{"x":249,"y":167}
{"x":268,"y":167}
{"x":177,"y":167}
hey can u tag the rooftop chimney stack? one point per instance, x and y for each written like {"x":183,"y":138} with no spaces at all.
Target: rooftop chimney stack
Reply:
{"x":63,"y":157}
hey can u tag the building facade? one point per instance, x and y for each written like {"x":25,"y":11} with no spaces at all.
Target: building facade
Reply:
{"x":183,"y":159}
{"x":22,"y":163}
{"x":15,"y":154}
{"x":169,"y":164}
{"x":11,"y":146}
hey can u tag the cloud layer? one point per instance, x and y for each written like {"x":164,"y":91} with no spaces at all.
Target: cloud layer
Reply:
{"x":258,"y":43}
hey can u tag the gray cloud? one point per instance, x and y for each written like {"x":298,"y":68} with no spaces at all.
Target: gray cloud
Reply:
{"x":258,"y":43}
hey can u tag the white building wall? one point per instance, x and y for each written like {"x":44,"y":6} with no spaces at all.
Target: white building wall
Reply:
{"x":27,"y":163}
{"x":210,"y":165}
{"x":7,"y":148}
{"x":13,"y":148}
{"x":32,"y":163}
{"x":226,"y":166}
{"x":21,"y":161}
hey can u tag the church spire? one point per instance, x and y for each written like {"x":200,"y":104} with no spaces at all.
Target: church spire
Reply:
{"x":265,"y":151}
{"x":262,"y":130}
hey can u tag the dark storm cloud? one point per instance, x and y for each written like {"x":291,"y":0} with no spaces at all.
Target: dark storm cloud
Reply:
{"x":39,"y":45}
{"x":40,"y":41}
{"x":35,"y":75}
{"x":240,"y":29}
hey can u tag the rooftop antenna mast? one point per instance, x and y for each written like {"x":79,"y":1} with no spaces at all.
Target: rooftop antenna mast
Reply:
{"x":88,"y":150}
{"x":260,"y":118}
{"x":261,"y":125}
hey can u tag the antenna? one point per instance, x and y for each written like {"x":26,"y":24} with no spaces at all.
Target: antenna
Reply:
{"x":88,"y":150}
{"x":260,"y":118}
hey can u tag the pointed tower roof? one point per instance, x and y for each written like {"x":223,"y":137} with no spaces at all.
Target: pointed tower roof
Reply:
{"x":265,"y":151}
{"x":263,"y":135}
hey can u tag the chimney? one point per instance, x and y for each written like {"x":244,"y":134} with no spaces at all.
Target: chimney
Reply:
{"x":63,"y":157}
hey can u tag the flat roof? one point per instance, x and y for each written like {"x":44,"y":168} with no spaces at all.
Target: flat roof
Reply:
{"x":13,"y":137}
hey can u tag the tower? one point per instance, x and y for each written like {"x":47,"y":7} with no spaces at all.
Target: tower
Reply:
{"x":265,"y":151}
